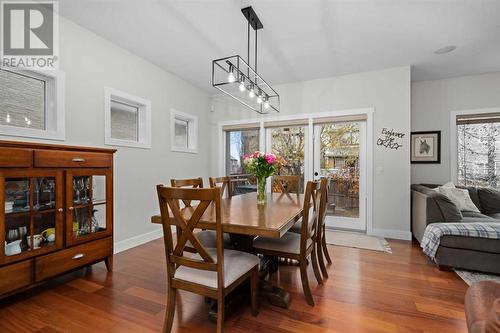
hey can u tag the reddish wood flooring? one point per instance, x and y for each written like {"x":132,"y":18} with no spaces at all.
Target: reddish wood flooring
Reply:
{"x":367,"y":291}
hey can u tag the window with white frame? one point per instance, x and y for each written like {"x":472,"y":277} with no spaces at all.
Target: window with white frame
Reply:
{"x":32,"y":104}
{"x":127,"y":119}
{"x":184,"y":132}
{"x":478,"y":149}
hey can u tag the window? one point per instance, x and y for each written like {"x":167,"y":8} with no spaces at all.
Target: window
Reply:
{"x":478,"y":149}
{"x":127,"y":119}
{"x":184,"y":132}
{"x":239,"y":143}
{"x":289,"y":143}
{"x":32,"y":104}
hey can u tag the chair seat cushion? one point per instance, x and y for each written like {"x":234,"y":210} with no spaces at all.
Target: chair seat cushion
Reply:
{"x":236,"y":264}
{"x":289,"y":243}
{"x":207,"y":238}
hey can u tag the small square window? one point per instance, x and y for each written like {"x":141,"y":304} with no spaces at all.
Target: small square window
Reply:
{"x":128,"y":120}
{"x":31,"y":104}
{"x":184,"y":132}
{"x":181,"y":133}
{"x":124,"y":121}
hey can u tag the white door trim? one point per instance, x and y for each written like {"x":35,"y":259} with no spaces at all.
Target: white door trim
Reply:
{"x":359,"y":223}
{"x":310,"y":116}
{"x":454,"y":139}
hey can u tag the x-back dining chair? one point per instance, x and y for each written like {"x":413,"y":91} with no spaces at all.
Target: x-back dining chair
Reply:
{"x":285,"y":184}
{"x":298,"y":246}
{"x":321,"y":239}
{"x":211,"y":272}
{"x":188,"y":183}
{"x":207,"y":237}
{"x":224,"y":183}
{"x":322,"y":250}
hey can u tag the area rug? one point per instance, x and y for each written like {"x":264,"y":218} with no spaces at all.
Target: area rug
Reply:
{"x":357,"y":240}
{"x":471,"y":277}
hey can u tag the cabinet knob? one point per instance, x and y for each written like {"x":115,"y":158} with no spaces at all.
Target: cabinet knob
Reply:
{"x":60,"y":210}
{"x":71,"y":208}
{"x":78,"y":256}
{"x":78,"y":159}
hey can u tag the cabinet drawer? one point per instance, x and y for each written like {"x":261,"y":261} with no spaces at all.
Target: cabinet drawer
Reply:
{"x":16,"y":158}
{"x":16,"y":276}
{"x":71,"y":159}
{"x":68,"y":259}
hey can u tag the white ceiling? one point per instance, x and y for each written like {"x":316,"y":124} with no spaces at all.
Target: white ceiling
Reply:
{"x":302,"y":39}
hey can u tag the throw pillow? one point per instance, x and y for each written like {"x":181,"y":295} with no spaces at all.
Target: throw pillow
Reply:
{"x":490,"y":200}
{"x":460,"y":198}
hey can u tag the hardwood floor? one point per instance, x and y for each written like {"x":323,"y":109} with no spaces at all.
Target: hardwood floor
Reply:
{"x":367,"y":291}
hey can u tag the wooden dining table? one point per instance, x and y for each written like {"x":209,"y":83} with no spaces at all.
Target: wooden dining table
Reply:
{"x":244,"y":220}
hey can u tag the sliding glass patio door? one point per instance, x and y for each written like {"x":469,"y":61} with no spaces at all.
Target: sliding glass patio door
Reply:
{"x":330,"y":146}
{"x":340,"y":154}
{"x":291,"y":144}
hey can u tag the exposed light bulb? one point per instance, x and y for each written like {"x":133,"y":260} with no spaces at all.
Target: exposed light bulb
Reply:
{"x":242,"y":86}
{"x":266,"y":104}
{"x":259,"y":99}
{"x":231,"y":78}
{"x":28,"y":122}
{"x":251,"y":94}
{"x":7,"y":119}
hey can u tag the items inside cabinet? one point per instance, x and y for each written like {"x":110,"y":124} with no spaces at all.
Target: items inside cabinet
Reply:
{"x":89,"y":200}
{"x":30,"y":214}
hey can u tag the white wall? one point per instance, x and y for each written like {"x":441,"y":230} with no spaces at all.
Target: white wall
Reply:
{"x":431,"y":103}
{"x":388,"y":91}
{"x":92,"y":63}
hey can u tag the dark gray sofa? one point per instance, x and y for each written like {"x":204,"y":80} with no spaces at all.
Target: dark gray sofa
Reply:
{"x":478,"y":254}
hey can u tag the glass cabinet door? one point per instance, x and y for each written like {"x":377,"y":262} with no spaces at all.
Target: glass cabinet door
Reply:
{"x":31,"y":222}
{"x":89,"y":210}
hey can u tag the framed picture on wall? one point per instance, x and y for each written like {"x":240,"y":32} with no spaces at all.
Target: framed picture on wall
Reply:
{"x":426,"y":147}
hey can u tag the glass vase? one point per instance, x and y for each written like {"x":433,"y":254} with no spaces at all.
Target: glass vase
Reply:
{"x":261,"y":191}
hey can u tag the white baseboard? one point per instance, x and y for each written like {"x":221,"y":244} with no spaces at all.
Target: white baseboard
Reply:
{"x":392,"y":233}
{"x":137,"y":240}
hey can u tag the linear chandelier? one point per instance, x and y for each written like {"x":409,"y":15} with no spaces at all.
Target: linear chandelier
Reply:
{"x":237,"y":79}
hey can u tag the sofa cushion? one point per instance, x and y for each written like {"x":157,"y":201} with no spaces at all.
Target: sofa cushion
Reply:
{"x":475,"y":215}
{"x":495,"y":216}
{"x":474,"y":195}
{"x":490,"y":200}
{"x":448,"y":210}
{"x":460,"y":197}
{"x":471,"y":243}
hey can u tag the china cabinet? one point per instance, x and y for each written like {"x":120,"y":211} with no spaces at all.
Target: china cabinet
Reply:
{"x":57,"y":211}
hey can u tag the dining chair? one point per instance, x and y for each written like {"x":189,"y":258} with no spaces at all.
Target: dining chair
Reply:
{"x":285,"y":184}
{"x":206,"y":237}
{"x":321,"y":239}
{"x":322,"y":250}
{"x":189,"y":183}
{"x":224,"y":183}
{"x":211,"y":272}
{"x":298,"y":246}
